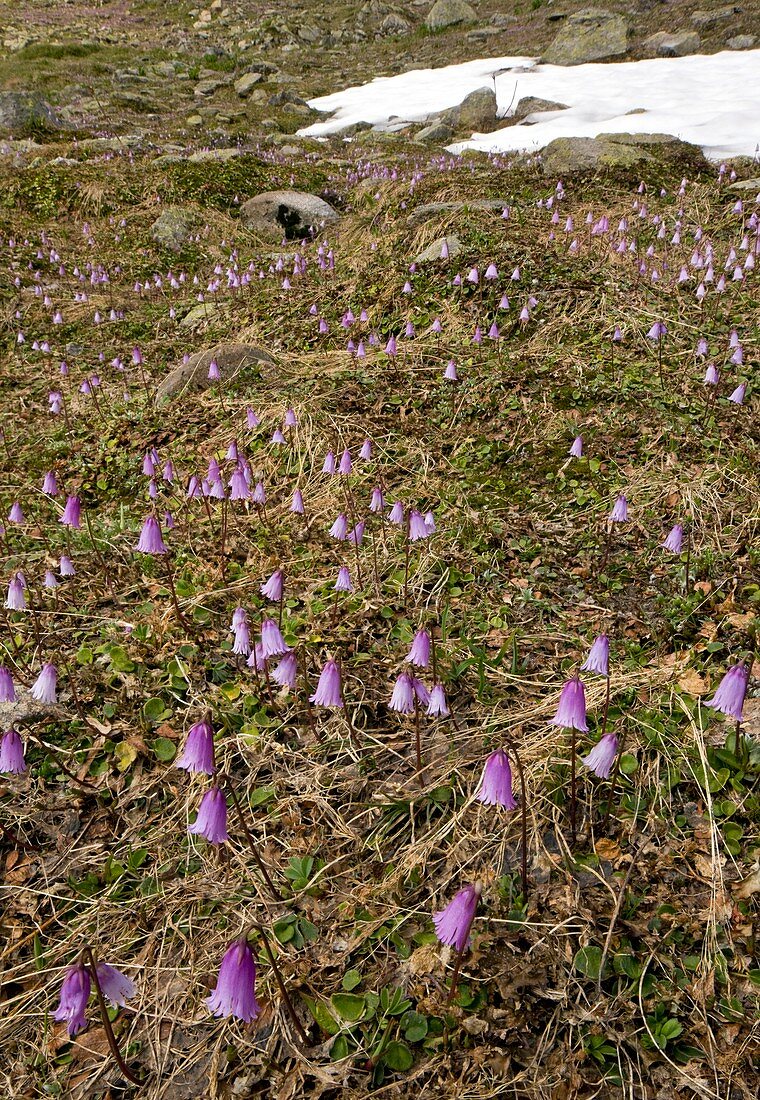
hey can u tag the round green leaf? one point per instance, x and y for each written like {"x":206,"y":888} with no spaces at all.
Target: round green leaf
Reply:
{"x":397,"y":1056}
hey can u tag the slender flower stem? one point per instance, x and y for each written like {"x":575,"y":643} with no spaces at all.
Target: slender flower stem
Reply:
{"x":455,"y":975}
{"x":613,"y":786}
{"x":606,"y":706}
{"x":113,"y":1045}
{"x":251,"y":842}
{"x":688,"y":560}
{"x":523,"y":824}
{"x":170,"y":577}
{"x":406,"y":560}
{"x":281,"y":986}
{"x":573,"y":800}
{"x":418,"y":738}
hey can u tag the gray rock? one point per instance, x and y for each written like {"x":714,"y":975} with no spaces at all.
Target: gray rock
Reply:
{"x":436,"y":131}
{"x":395,"y":25}
{"x":590,"y":35}
{"x":746,"y":185}
{"x":209,"y":156}
{"x":278,"y":214}
{"x":174,"y":227}
{"x":233,"y":360}
{"x":433,"y":250}
{"x":246,"y":83}
{"x":447,"y":13}
{"x":24,"y":112}
{"x":567,"y":156}
{"x":431,"y":209}
{"x":135,"y":101}
{"x":532,"y":105}
{"x":663,"y":44}
{"x":476,"y":112}
{"x":207,"y":87}
{"x":705,"y":19}
{"x":741,"y":42}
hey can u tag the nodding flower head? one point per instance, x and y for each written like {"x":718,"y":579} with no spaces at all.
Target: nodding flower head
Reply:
{"x":12,"y":754}
{"x":71,"y":513}
{"x":419,"y":654}
{"x":496,"y":782}
{"x":598,"y":659}
{"x":402,"y":697}
{"x":571,"y":712}
{"x":417,"y":526}
{"x":674,"y":541}
{"x":273,"y":588}
{"x":343,"y":582}
{"x":729,"y":697}
{"x":150,"y":541}
{"x":235,"y":990}
{"x":272,"y":641}
{"x":328,"y":693}
{"x":619,"y":513}
{"x":576,"y":450}
{"x":198,"y":753}
{"x":44,"y":688}
{"x":75,"y":993}
{"x":602,"y":756}
{"x":453,"y":924}
{"x":211,"y":821}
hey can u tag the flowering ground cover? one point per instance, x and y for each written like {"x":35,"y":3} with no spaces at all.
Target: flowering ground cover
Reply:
{"x":381,"y":717}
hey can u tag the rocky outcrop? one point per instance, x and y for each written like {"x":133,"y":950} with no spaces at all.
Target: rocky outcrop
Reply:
{"x":590,"y":35}
{"x":289,"y":214}
{"x":476,"y":112}
{"x":434,"y":249}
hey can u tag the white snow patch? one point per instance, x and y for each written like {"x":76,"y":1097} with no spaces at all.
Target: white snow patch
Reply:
{"x":711,"y":101}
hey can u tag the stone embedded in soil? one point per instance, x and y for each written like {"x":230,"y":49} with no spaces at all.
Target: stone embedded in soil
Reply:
{"x":432,"y":253}
{"x":705,"y":19}
{"x":234,"y":361}
{"x":663,"y":44}
{"x":589,"y":35}
{"x":432,"y":209}
{"x":571,"y":155}
{"x":289,"y":214}
{"x":741,"y":42}
{"x":24,"y":112}
{"x":448,"y":13}
{"x":174,"y":227}
{"x":246,"y":83}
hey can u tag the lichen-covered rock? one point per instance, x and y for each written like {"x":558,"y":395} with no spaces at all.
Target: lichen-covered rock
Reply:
{"x":590,"y":35}
{"x":233,"y":361}
{"x":25,"y":112}
{"x":174,"y":227}
{"x":476,"y":112}
{"x":572,"y":155}
{"x":663,"y":44}
{"x":290,"y":214}
{"x":447,"y":13}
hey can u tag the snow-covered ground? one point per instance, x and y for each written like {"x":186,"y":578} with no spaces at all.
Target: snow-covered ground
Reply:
{"x":710,"y":101}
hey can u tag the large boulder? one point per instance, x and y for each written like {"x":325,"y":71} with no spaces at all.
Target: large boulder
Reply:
{"x":233,"y":360}
{"x":432,"y":209}
{"x":447,"y":13}
{"x":26,"y":112}
{"x":476,"y":112}
{"x":290,"y":214}
{"x":663,"y":44}
{"x":590,"y":35}
{"x":174,"y":227}
{"x":577,"y":155}
{"x":707,"y":19}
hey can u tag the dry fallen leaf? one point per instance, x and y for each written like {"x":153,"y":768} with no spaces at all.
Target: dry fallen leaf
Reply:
{"x":691,"y":681}
{"x":749,"y":885}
